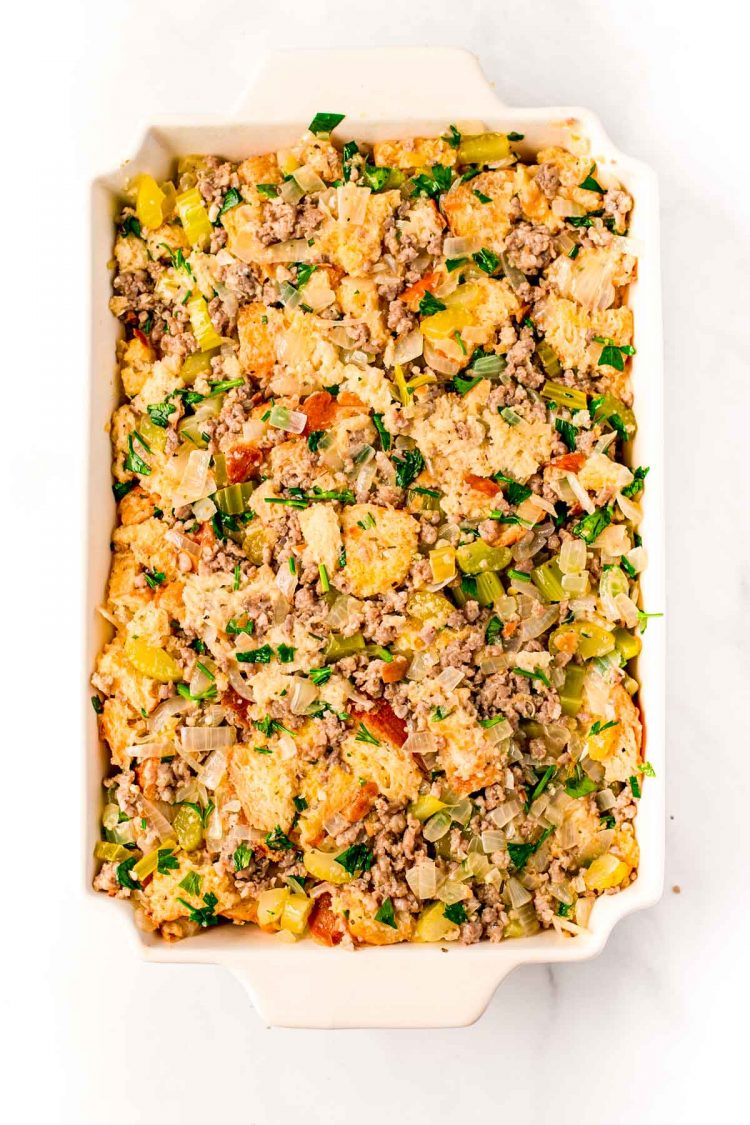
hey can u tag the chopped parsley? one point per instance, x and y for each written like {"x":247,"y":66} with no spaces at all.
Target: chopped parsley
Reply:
{"x":644,"y":618}
{"x":233,"y":627}
{"x":123,"y":871}
{"x":515,"y":493}
{"x":285,"y":653}
{"x":278,"y":841}
{"x":563,"y":909}
{"x":203,"y":915}
{"x":269,"y":726}
{"x":453,"y":137}
{"x":635,"y":786}
{"x":516,"y":136}
{"x":590,"y":184}
{"x":324,"y":123}
{"x":648,"y":770}
{"x":385,"y":914}
{"x":358,"y":857}
{"x":636,"y":485}
{"x":268,"y":191}
{"x":166,"y":861}
{"x":300,"y":804}
{"x":487,"y":260}
{"x":493,"y":630}
{"x":541,"y":785}
{"x":462,"y":385}
{"x":521,"y":853}
{"x":432,"y":183}
{"x":159,"y":413}
{"x":537,"y":674}
{"x":568,"y":432}
{"x":599,"y":726}
{"x":439,"y":714}
{"x":241,"y":856}
{"x":456,"y":913}
{"x":481,"y":196}
{"x":314,"y":439}
{"x":130,"y":225}
{"x":192,"y":883}
{"x":199,"y":696}
{"x":375,"y":178}
{"x":367,"y":522}
{"x":579,"y":785}
{"x":134,"y":463}
{"x":590,"y":527}
{"x":613,"y":354}
{"x":154,"y":578}
{"x":121,"y":488}
{"x":230,"y":200}
{"x":97,"y":704}
{"x":320,"y":675}
{"x":260,"y":655}
{"x":385,"y":437}
{"x":364,"y":735}
{"x":408,"y":467}
{"x":429,"y":305}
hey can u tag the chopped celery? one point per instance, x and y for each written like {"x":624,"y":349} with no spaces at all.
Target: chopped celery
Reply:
{"x":232,"y":499}
{"x":194,"y":217}
{"x":548,"y":580}
{"x":220,"y":470}
{"x":489,"y":588}
{"x":148,"y":202}
{"x":627,"y":644}
{"x":613,"y":410}
{"x":549,"y":360}
{"x":571,"y":693}
{"x":154,"y":436}
{"x":483,"y":148}
{"x":477,"y":557}
{"x":205,"y":334}
{"x":112,"y":853}
{"x":198,"y":363}
{"x":254,"y":543}
{"x":565,"y":396}
{"x":188,"y":826}
{"x":339,"y":647}
{"x":584,"y":637}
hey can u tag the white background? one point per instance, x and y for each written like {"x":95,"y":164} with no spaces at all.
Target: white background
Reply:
{"x":655,"y":1029}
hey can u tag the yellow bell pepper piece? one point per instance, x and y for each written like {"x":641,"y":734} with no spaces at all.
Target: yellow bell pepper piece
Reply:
{"x":152,"y":661}
{"x":194,"y":217}
{"x":147,"y":864}
{"x":605,"y":872}
{"x":426,"y":806}
{"x":443,"y":563}
{"x":149,"y":200}
{"x":323,"y":865}
{"x":444,"y":324}
{"x":296,"y":912}
{"x":433,"y":925}
{"x":205,"y":334}
{"x":271,"y":906}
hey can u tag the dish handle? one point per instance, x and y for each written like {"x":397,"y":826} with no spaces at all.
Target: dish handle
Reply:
{"x":370,"y":84}
{"x":335,"y":990}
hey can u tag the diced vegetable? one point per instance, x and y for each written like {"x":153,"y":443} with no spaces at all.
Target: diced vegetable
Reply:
{"x":205,"y":334}
{"x":584,"y":637}
{"x":197,"y":363}
{"x":549,"y":360}
{"x":296,"y":912}
{"x":426,"y":806}
{"x":627,"y":644}
{"x":443,"y":564}
{"x":433,"y":925}
{"x":477,"y":557}
{"x":271,"y":905}
{"x":194,"y":218}
{"x":152,"y":661}
{"x":564,"y":396}
{"x":340,"y":646}
{"x":428,"y":606}
{"x":188,"y":827}
{"x":149,"y":200}
{"x":548,"y":580}
{"x":112,"y":853}
{"x":148,"y":863}
{"x":324,"y":865}
{"x":606,"y":871}
{"x":483,"y":148}
{"x":489,"y":588}
{"x":571,"y":693}
{"x":254,"y":543}
{"x":232,"y":500}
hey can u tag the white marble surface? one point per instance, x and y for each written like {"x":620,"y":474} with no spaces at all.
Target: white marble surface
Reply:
{"x":654,"y":1030}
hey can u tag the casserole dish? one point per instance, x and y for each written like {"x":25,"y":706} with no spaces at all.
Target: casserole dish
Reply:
{"x":399,"y":986}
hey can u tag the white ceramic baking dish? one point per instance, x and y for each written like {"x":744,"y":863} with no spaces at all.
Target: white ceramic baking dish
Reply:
{"x":385,"y":93}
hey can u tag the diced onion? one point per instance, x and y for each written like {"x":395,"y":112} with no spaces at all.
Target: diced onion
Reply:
{"x":338,"y":614}
{"x":295,"y":250}
{"x":204,"y":509}
{"x":437,"y":826}
{"x":460,"y":247}
{"x":408,"y":347}
{"x":438,"y":361}
{"x":489,"y":665}
{"x":308,"y":179}
{"x":193,"y":485}
{"x":422,"y":879}
{"x":450,"y":891}
{"x":627,"y":610}
{"x":573,"y":556}
{"x":630,"y":510}
{"x":199,"y":740}
{"x":422,"y":742}
{"x":493,"y":841}
{"x":290,"y":191}
{"x":239,"y":683}
{"x":614,"y":540}
{"x":154,"y":816}
{"x":450,"y":678}
{"x":215,"y":766}
{"x":534,"y":626}
{"x":504,"y":814}
{"x":519,"y":896}
{"x":167,"y":710}
{"x":420,"y":666}
{"x":286,"y":580}
{"x":580,"y":493}
{"x":304,"y":693}
{"x":638,"y":559}
{"x":150,"y":749}
{"x":352,"y":204}
{"x":291,"y":421}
